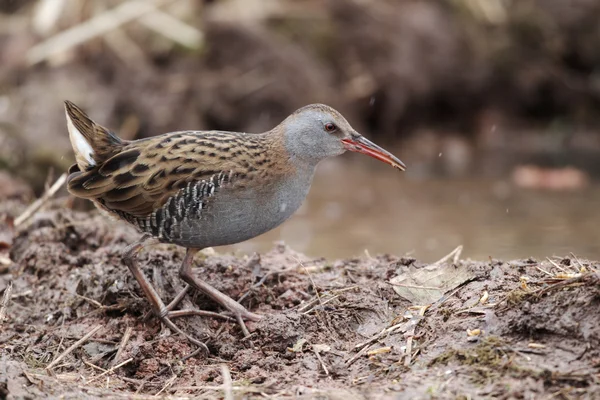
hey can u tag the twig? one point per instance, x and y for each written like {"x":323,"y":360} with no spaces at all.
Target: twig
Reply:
{"x":62,"y":338}
{"x":122,"y":345}
{"x":416,"y":286}
{"x":447,"y":296}
{"x":321,"y":361}
{"x":311,"y":279}
{"x":92,"y":301}
{"x":162,"y":371}
{"x":303,"y":307}
{"x":582,"y":268}
{"x":308,"y":304}
{"x":227,"y":382}
{"x":5,"y":301}
{"x":167,"y":385}
{"x":74,"y":346}
{"x":245,"y":389}
{"x":410,"y":333}
{"x":378,"y":336}
{"x":322,"y":304}
{"x":264,"y":279}
{"x":186,"y":388}
{"x":409,"y":340}
{"x":112,"y":369}
{"x":36,"y":205}
{"x":358,"y":355}
{"x":454,"y":254}
{"x":544,"y":271}
{"x":556,"y":265}
{"x":94,"y":366}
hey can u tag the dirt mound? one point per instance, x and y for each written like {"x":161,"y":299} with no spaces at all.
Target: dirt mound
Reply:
{"x":516,"y":329}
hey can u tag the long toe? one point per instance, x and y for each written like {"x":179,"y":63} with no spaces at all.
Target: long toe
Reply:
{"x":239,"y":310}
{"x":240,"y":313}
{"x":165,"y":320}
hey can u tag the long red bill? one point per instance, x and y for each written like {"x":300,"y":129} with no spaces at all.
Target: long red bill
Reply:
{"x":360,"y":144}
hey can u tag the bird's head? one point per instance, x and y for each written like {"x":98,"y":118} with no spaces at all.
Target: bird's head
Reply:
{"x":317,"y":131}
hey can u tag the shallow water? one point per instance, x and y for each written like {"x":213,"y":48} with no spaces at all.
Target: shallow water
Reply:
{"x":357,"y":205}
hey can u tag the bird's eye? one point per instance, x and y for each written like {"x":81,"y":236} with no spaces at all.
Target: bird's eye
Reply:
{"x":329,"y":127}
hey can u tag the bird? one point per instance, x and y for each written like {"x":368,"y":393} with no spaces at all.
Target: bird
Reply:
{"x":199,"y":189}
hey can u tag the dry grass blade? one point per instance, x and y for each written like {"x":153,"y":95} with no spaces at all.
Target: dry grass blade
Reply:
{"x":122,"y":345}
{"x":73,"y":347}
{"x":264,"y":279}
{"x":454,"y":254}
{"x":94,"y":27}
{"x":410,"y":333}
{"x":36,"y":205}
{"x":5,"y":301}
{"x":358,"y":355}
{"x":174,"y":29}
{"x":108,"y":371}
{"x":145,"y":382}
{"x":167,"y":385}
{"x":46,"y":15}
{"x":556,"y":265}
{"x":581,"y":267}
{"x":314,"y":285}
{"x":227,"y":382}
{"x":322,"y":304}
{"x":126,"y":49}
{"x":381,"y":334}
{"x":416,"y":286}
{"x":322,"y":362}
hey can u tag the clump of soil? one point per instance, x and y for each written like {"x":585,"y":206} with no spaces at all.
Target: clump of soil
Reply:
{"x":520,"y":329}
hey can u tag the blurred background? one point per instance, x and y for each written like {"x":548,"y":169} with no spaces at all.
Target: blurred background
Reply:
{"x":494,"y":105}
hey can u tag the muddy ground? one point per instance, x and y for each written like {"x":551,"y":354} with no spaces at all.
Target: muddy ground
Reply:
{"x":331,"y":329}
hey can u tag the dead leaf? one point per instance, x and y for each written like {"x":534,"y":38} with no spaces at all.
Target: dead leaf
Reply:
{"x":428,"y":284}
{"x":297,"y":346}
{"x":321,"y":348}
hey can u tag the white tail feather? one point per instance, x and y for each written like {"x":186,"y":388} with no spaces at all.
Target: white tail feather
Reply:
{"x":80,"y":145}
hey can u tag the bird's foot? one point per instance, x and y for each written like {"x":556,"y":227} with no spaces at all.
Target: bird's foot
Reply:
{"x":165,"y":317}
{"x":240,"y":313}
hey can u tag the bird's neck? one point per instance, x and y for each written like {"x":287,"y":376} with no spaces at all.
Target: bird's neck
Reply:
{"x":290,"y":156}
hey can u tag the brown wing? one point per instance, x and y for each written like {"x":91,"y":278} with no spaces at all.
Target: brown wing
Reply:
{"x":143,"y":176}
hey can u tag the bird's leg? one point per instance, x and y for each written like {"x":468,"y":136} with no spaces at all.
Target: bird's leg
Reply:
{"x":238,"y":310}
{"x":129,"y":258}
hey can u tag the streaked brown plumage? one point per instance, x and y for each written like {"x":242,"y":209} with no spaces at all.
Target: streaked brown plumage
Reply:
{"x":137,"y":177}
{"x":206,"y":188}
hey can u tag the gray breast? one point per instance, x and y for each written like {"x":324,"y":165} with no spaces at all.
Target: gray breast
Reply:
{"x":217,"y":211}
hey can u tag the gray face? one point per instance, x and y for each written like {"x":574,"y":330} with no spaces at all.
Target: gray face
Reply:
{"x":315,"y":132}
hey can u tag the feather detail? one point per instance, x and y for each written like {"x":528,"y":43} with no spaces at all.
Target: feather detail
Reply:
{"x":146,"y":173}
{"x":92,"y":143}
